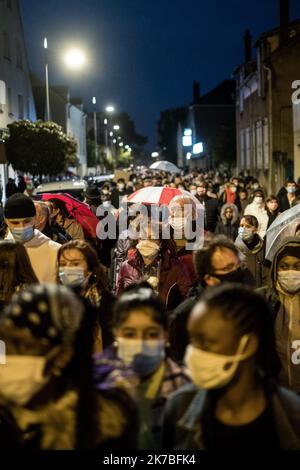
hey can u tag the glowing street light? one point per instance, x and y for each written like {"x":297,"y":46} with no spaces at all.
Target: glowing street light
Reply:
{"x":116,"y":127}
{"x":110,"y":109}
{"x":74,"y":58}
{"x":154,"y":154}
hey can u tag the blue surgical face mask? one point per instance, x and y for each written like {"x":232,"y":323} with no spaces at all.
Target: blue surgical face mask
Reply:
{"x":22,"y":235}
{"x":143,"y":356}
{"x":246,"y":234}
{"x":71,"y":277}
{"x":291,"y":190}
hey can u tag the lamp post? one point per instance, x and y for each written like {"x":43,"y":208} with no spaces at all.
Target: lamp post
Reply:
{"x":95,"y":133}
{"x":109,"y":109}
{"x":47,"y":80}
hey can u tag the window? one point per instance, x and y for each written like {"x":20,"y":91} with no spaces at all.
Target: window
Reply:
{"x":259,"y":145}
{"x":248,"y":148}
{"x":9,"y":103}
{"x":6,"y":46}
{"x":19,"y":61}
{"x":20,"y":107}
{"x":266,"y":143}
{"x":242,"y":149}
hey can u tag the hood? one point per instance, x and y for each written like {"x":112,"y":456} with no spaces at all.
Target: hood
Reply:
{"x":38,"y":239}
{"x":234,"y":210}
{"x":293,"y":242}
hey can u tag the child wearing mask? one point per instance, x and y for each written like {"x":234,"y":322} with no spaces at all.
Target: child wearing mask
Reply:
{"x":140,"y":330}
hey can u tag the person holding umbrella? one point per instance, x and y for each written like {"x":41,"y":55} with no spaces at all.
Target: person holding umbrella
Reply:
{"x":62,"y":217}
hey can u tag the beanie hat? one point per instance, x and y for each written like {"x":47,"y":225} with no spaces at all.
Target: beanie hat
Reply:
{"x":19,"y":206}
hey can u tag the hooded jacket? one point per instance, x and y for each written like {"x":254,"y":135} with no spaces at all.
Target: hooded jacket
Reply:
{"x":253,"y":259}
{"x":226,"y":227}
{"x":42,"y":253}
{"x":286,"y":311}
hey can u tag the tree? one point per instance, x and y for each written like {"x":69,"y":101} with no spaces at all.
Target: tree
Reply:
{"x":40,"y":148}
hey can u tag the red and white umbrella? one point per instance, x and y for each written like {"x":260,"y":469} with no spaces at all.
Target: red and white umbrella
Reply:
{"x":157,"y":195}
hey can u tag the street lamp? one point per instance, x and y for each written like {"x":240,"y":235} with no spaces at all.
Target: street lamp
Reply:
{"x":94,"y":101}
{"x":47,"y":80}
{"x":110,"y":109}
{"x":74,"y":58}
{"x":116,"y":127}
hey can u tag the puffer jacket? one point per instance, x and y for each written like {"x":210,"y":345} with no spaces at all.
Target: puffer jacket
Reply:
{"x":286,"y":312}
{"x":174,"y":281}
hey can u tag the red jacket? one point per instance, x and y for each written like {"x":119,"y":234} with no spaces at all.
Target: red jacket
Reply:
{"x":174,"y":279}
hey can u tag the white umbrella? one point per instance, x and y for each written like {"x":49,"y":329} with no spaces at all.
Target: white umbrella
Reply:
{"x":283,"y":226}
{"x":165,"y":166}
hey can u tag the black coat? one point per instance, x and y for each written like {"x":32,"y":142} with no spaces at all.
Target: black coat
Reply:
{"x":211,"y":213}
{"x":230,"y":230}
{"x":283,"y":199}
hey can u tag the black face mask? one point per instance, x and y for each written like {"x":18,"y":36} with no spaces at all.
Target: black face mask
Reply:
{"x":233,"y":276}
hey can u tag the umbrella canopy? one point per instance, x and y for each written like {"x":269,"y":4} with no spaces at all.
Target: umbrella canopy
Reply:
{"x":79,"y":210}
{"x":165,"y":166}
{"x":283,"y":226}
{"x":157,"y":195}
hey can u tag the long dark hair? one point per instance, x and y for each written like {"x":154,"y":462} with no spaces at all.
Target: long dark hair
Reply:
{"x":15,"y":269}
{"x":99,"y":276}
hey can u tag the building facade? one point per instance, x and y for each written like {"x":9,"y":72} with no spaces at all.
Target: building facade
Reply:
{"x":16,"y":98}
{"x":264,"y":108}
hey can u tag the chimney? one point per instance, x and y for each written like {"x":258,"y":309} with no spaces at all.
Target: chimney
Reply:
{"x":284,"y":13}
{"x":248,"y":46}
{"x":196,"y":92}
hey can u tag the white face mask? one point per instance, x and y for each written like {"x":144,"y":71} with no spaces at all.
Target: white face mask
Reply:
{"x":21,"y":378}
{"x":148,"y":249}
{"x":210,"y":370}
{"x":71,"y":276}
{"x":289,"y":281}
{"x":246,"y":234}
{"x":177,"y":223}
{"x":193,"y":192}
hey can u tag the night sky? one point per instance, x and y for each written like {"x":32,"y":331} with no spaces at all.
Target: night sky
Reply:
{"x":144,"y":55}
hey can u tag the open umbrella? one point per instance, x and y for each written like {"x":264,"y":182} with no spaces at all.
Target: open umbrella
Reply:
{"x":284,"y":225}
{"x":165,"y":166}
{"x":157,"y":195}
{"x":79,"y":210}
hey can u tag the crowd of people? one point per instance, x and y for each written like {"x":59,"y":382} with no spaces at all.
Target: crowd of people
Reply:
{"x":142,"y":342}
